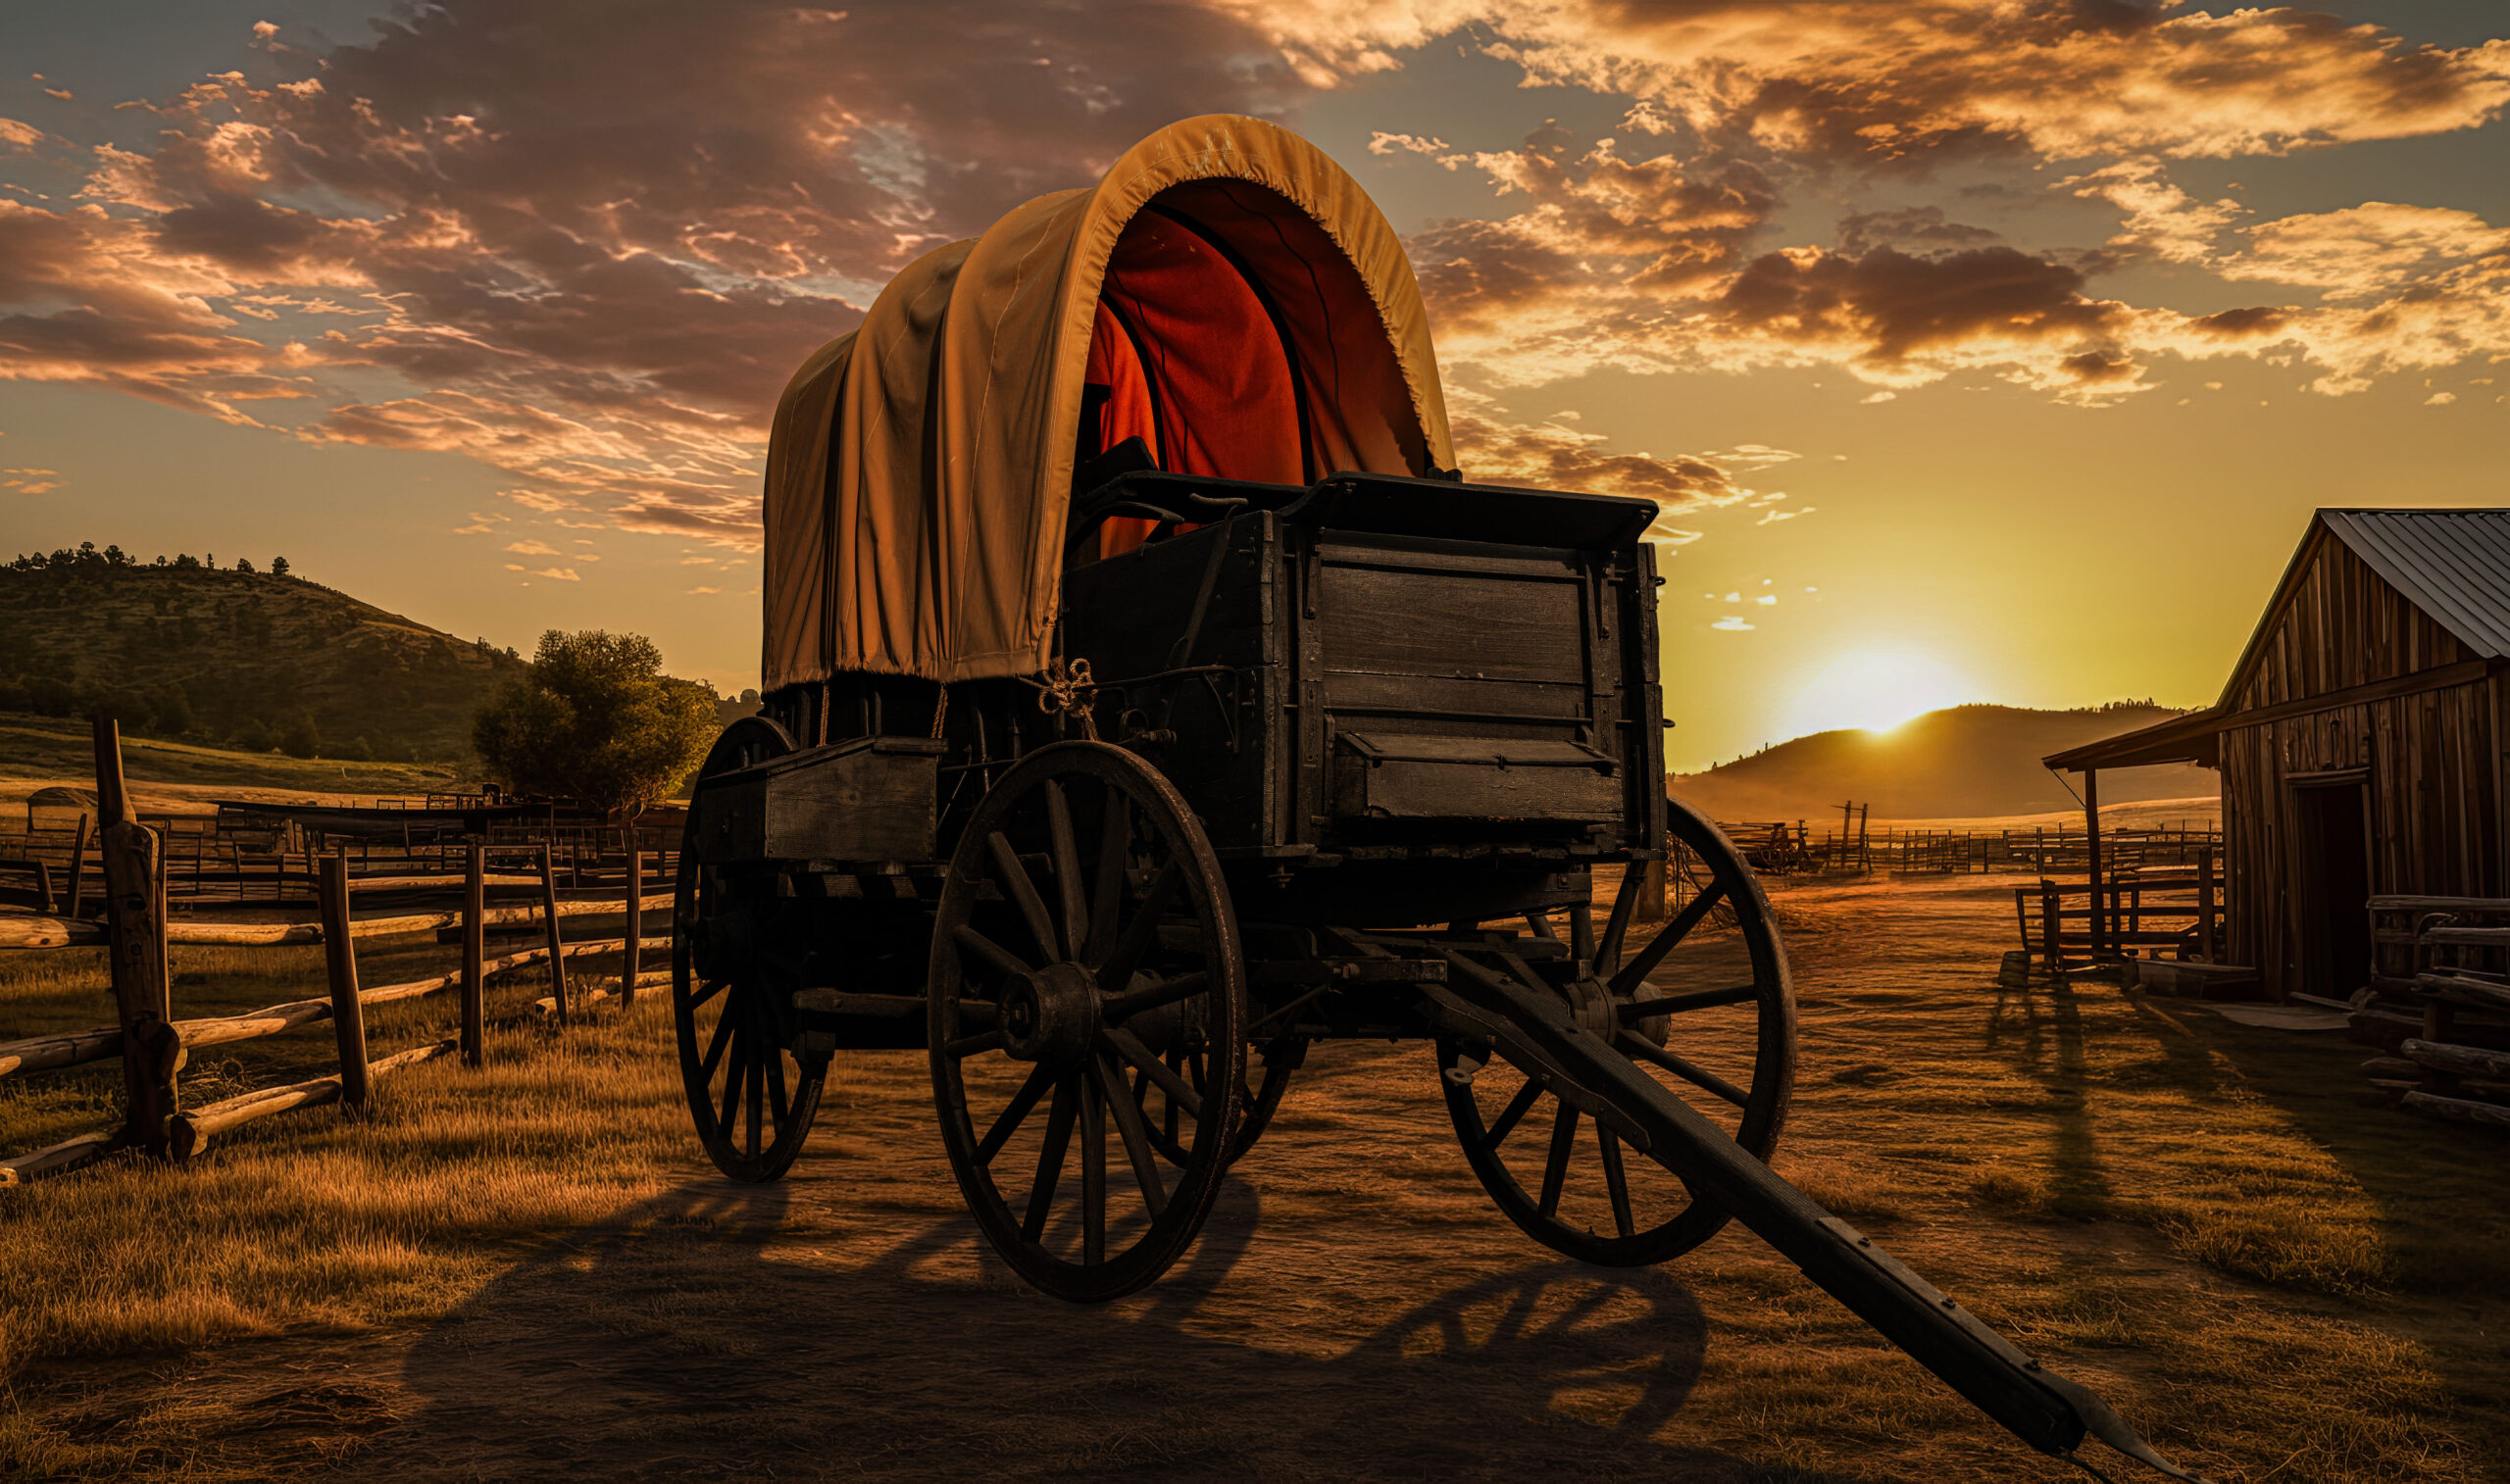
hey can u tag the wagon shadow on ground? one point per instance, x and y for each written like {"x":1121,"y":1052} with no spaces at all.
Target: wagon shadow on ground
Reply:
{"x":700,"y":1336}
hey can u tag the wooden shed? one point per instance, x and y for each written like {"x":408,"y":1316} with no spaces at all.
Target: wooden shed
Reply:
{"x":2360,"y":738}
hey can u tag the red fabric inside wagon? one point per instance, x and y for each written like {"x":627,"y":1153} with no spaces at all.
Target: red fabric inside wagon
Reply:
{"x":1189,"y":347}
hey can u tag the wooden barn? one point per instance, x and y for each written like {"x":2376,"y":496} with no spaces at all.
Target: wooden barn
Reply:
{"x":2360,"y":738}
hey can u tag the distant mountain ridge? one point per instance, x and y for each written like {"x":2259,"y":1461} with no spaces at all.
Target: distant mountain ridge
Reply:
{"x":1962,"y":762}
{"x":250,"y":658}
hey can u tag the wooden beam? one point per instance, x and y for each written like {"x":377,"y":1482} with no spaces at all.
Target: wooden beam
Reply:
{"x":557,"y":949}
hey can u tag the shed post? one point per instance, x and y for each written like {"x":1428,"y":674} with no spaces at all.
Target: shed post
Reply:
{"x":2208,"y":935}
{"x":2091,"y":846}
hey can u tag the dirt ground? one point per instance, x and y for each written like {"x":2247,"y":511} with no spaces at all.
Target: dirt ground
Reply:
{"x":2190,"y":1215}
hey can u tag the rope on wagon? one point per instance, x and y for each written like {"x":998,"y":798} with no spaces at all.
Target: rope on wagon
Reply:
{"x":1068,"y":690}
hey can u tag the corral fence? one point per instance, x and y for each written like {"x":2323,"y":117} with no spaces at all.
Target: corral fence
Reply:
{"x":2149,"y":910}
{"x":152,"y":1045}
{"x":1782,"y":848}
{"x":2439,"y":1007}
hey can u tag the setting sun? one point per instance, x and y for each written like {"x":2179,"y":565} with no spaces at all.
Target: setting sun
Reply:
{"x":1876,"y":689}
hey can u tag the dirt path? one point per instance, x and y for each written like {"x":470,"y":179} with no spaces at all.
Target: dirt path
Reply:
{"x":1355,"y":1307}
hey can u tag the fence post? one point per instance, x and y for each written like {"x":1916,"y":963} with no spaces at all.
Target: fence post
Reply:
{"x":635,"y":933}
{"x":2049,"y":943}
{"x":78,"y":847}
{"x":2205,"y":931}
{"x":550,"y":933}
{"x":475,"y":951}
{"x":339,"y":957}
{"x":132,"y":861}
{"x":43,"y":888}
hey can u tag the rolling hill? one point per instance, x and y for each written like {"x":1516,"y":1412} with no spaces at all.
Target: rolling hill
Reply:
{"x":1962,"y":762}
{"x":210,"y":654}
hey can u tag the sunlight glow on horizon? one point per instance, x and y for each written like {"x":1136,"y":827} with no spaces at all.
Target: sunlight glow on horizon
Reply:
{"x":1876,"y":689}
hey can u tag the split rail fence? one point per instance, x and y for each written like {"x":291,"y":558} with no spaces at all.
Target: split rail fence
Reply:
{"x":2150,"y":913}
{"x":153,"y":1046}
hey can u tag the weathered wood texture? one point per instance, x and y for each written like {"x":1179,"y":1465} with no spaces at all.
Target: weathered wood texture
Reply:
{"x":188,"y":1133}
{"x":2429,"y":757}
{"x":339,"y":960}
{"x":22,"y":931}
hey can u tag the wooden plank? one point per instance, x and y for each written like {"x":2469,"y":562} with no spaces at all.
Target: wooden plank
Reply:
{"x":192,"y":1131}
{"x":2459,"y":1060}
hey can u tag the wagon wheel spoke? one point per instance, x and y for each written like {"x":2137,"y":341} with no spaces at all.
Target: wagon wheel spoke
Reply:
{"x":1126,"y":1005}
{"x":1142,"y":931}
{"x":1093,"y":1173}
{"x":776,"y":1100}
{"x":1041,"y":1191}
{"x":1115,"y":845}
{"x":1616,"y":1182}
{"x":1067,"y":866}
{"x":1024,"y":892}
{"x":1002,"y":960}
{"x":705,"y":992}
{"x":732,"y":1084}
{"x":1518,"y":1106}
{"x":968,"y":1046}
{"x":1683,"y":1066}
{"x":1128,"y":1124}
{"x":714,"y":1056}
{"x":1016,"y":1113}
{"x":1625,"y":899}
{"x":1126,"y":1045}
{"x":762,"y":1050}
{"x":1555,"y":1165}
{"x":1638,"y":969}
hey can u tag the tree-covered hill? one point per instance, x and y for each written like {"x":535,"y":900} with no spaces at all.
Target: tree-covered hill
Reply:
{"x":258,"y":658}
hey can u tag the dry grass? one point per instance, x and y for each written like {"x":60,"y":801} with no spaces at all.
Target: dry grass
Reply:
{"x":528,"y":1273}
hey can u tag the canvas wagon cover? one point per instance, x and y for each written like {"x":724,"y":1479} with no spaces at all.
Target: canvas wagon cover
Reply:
{"x":920,"y":467}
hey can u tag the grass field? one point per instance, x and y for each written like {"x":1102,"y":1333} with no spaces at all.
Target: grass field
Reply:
{"x":181,"y":776}
{"x":529,"y":1271}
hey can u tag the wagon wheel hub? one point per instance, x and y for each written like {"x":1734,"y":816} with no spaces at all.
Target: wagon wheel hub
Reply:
{"x":1050,"y":1014}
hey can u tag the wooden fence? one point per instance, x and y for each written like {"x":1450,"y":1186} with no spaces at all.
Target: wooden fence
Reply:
{"x":152,"y":1045}
{"x":2150,"y":912}
{"x":2440,"y":1007}
{"x":1778,"y":848}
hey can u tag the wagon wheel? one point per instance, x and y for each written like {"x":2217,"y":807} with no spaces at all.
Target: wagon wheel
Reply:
{"x":1087,"y":970}
{"x":752,"y":1098}
{"x":1726,"y":1044}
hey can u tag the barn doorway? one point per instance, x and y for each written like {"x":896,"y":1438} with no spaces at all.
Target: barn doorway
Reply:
{"x":2334,"y":880}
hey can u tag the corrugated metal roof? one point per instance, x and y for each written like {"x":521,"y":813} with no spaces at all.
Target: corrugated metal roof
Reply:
{"x":2454,"y":564}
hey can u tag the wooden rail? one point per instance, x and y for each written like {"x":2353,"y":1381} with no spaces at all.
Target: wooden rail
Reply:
{"x":2180,"y":911}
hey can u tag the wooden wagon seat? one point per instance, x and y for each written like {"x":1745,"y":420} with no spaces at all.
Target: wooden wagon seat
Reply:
{"x":920,"y":470}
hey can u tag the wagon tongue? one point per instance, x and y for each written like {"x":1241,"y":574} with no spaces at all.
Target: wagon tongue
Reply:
{"x":2045,"y":1411}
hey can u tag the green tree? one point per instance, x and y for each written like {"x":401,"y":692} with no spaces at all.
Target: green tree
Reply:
{"x":354,"y":749}
{"x":278,"y":567}
{"x":297,"y":737}
{"x":594,"y":718}
{"x":254,"y":736}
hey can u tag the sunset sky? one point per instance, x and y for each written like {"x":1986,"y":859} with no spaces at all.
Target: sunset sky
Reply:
{"x":1979,"y":349}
